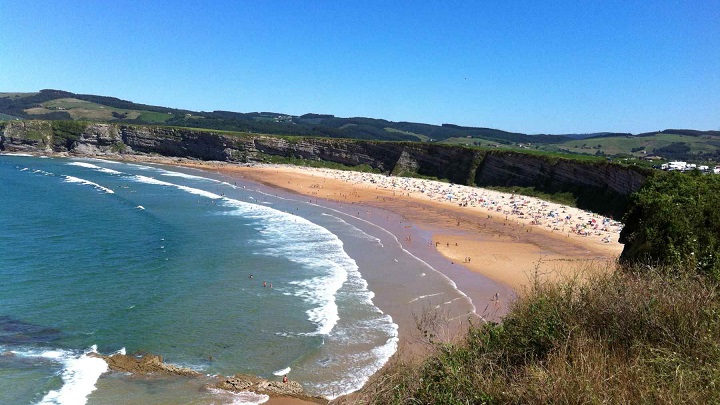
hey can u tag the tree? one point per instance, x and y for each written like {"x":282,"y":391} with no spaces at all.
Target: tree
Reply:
{"x":674,"y":221}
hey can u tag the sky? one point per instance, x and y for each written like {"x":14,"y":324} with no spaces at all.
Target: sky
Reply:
{"x":525,"y":66}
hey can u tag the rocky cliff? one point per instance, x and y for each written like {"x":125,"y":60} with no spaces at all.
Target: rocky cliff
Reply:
{"x":599,"y":186}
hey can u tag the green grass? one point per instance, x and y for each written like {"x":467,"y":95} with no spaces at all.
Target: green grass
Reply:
{"x":554,"y":155}
{"x":149,"y":116}
{"x":625,"y":145}
{"x":625,"y":337}
{"x":423,"y":138}
{"x":619,"y":146}
{"x":469,"y":142}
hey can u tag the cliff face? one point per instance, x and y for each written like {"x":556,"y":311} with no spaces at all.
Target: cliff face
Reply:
{"x":30,"y":136}
{"x":598,"y":186}
{"x":602,"y":187}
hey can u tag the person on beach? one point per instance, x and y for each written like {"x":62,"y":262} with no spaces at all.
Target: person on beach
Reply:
{"x":285,"y":379}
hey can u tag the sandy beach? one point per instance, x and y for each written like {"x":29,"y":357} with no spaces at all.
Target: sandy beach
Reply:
{"x":503,"y":236}
{"x":490,"y":244}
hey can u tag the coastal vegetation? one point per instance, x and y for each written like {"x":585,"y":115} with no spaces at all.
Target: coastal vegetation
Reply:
{"x":647,"y":332}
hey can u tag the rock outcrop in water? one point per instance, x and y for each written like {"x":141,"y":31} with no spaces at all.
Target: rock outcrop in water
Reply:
{"x":153,"y":364}
{"x":240,"y":383}
{"x":145,"y":364}
{"x":261,"y":386}
{"x":599,"y":186}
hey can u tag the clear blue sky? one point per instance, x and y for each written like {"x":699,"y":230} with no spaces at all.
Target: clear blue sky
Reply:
{"x":531,"y":66}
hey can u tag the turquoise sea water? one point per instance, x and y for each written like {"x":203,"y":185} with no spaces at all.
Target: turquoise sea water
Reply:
{"x":105,"y":256}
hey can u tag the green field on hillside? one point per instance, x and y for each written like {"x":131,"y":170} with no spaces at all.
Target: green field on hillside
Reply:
{"x":88,"y":111}
{"x":626,"y":145}
{"x":423,"y":138}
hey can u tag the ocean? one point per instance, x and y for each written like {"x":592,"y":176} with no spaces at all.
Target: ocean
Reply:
{"x":211,"y":273}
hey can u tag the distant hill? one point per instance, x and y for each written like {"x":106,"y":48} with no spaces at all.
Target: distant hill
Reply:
{"x":683,"y":144}
{"x":595,"y":135}
{"x":63,"y":105}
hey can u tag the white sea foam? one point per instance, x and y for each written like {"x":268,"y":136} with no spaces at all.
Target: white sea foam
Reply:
{"x":319,"y":252}
{"x":183,"y":175}
{"x":169,"y":173}
{"x":43,"y":172}
{"x":424,"y":296}
{"x":282,"y":372}
{"x":83,"y":164}
{"x":352,"y":367}
{"x":94,"y":167}
{"x":359,"y":366}
{"x":79,"y":374}
{"x":73,"y":179}
{"x":240,"y":398}
{"x":191,"y":190}
{"x":109,"y":171}
{"x":16,"y":154}
{"x":321,"y":291}
{"x":224,"y":183}
{"x":359,"y":231}
{"x":151,"y":180}
{"x":133,"y":165}
{"x":314,"y":247}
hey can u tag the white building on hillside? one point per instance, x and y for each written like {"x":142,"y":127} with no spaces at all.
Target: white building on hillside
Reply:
{"x":675,"y":166}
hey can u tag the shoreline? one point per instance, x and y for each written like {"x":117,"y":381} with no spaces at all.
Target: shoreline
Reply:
{"x":475,"y":242}
{"x":486,"y":250}
{"x":581,"y":238}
